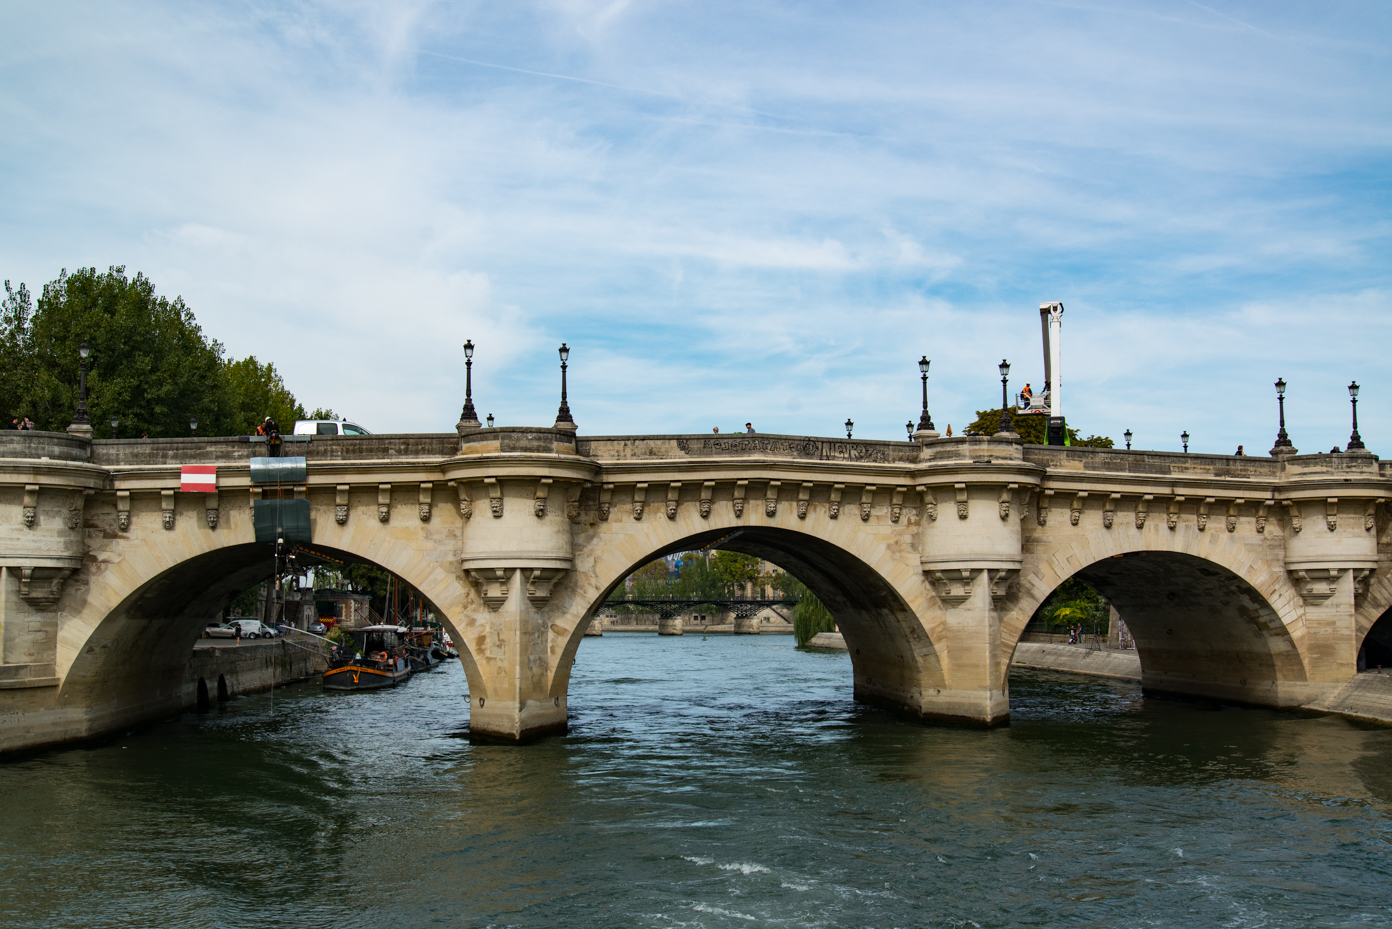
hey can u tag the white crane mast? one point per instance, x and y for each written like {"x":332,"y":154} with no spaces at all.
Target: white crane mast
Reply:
{"x":1051,"y":322}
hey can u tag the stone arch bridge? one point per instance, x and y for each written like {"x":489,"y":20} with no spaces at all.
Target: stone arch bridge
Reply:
{"x":1243,"y":579}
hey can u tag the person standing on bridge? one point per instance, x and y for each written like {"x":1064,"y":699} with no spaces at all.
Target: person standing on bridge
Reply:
{"x":749,"y":428}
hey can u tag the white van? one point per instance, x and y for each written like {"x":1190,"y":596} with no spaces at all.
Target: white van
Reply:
{"x":328,"y":427}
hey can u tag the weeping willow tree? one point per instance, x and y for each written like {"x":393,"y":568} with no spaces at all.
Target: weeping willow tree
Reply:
{"x":810,"y":616}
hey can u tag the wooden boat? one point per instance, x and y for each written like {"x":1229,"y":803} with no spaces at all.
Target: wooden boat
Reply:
{"x":375,"y":657}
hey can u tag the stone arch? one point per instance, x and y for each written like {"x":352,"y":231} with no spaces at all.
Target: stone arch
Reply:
{"x":1207,"y":618}
{"x":1375,"y":643}
{"x":129,"y":643}
{"x":879,"y":602}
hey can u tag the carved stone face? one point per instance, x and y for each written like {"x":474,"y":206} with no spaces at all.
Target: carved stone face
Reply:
{"x":341,"y":513}
{"x":1296,"y":523}
{"x":212,"y":518}
{"x":671,"y":509}
{"x":637,"y":511}
{"x":1108,"y":517}
{"x":466,"y":509}
{"x":802,"y":509}
{"x":705,"y":507}
{"x":770,"y":507}
{"x":834,"y":509}
{"x":74,"y":519}
{"x":168,"y":517}
{"x":932,"y":510}
{"x":383,"y":512}
{"x":895,"y":511}
{"x":1203,"y":521}
{"x":123,"y":520}
{"x":1075,"y":517}
{"x":962,"y":510}
{"x":739,"y":507}
{"x":1042,"y":517}
{"x":572,"y":510}
{"x":1172,"y":519}
{"x":1005,"y":509}
{"x":1261,"y":523}
{"x":603,"y":512}
{"x":30,"y":513}
{"x":539,"y":507}
{"x":865,"y":512}
{"x":1140,"y":519}
{"x":1232,"y":523}
{"x":425,"y":512}
{"x":496,"y":505}
{"x":1332,"y":522}
{"x":1369,"y":521}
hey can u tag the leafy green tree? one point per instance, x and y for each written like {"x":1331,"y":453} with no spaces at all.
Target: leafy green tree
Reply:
{"x":255,"y":391}
{"x":1033,"y":429}
{"x":1075,"y":602}
{"x":15,"y":313}
{"x":810,"y":616}
{"x":736,"y":569}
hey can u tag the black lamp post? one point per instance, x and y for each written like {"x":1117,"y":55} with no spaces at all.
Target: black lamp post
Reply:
{"x":925,"y":422}
{"x":193,"y":425}
{"x":1184,"y":437}
{"x":1127,"y":436}
{"x":1006,"y":426}
{"x":468,"y":416}
{"x":563,"y":418}
{"x":114,"y":423}
{"x":80,"y":418}
{"x":849,"y":426}
{"x":1355,"y":441}
{"x":1282,"y":440}
{"x":908,"y":427}
{"x":490,"y":420}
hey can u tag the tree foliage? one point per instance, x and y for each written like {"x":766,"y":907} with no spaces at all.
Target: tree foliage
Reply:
{"x":1075,"y":602}
{"x":810,"y":616}
{"x":1032,"y":428}
{"x":151,"y":365}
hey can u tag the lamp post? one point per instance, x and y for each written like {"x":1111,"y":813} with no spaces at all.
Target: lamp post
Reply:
{"x":1127,"y":436}
{"x":490,"y":420}
{"x":114,"y":423}
{"x":908,"y":427}
{"x":563,"y":418}
{"x":1283,"y":441}
{"x":1006,"y":426}
{"x":468,"y":417}
{"x":82,"y":424}
{"x":1184,"y":437}
{"x":193,"y":425}
{"x":925,"y":422}
{"x":1355,"y":441}
{"x":849,"y":426}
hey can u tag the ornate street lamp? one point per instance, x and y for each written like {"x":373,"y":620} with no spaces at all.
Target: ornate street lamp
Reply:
{"x":1282,"y":440}
{"x":469,"y":417}
{"x":193,"y":425}
{"x":1184,"y":437}
{"x":563,"y":418}
{"x":849,"y":426}
{"x":115,"y":422}
{"x":1355,"y":441}
{"x":925,"y":422}
{"x":1006,"y":426}
{"x":490,"y":420}
{"x":1127,"y":436}
{"x":908,"y":427}
{"x":81,"y":424}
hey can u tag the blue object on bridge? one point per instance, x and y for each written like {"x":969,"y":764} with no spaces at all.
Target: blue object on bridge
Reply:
{"x":281,"y":519}
{"x":279,"y":470}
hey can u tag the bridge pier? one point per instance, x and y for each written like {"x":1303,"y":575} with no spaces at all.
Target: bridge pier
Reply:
{"x":669,"y":625}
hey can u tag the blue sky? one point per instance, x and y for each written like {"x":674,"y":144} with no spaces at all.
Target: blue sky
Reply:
{"x":735,"y":211}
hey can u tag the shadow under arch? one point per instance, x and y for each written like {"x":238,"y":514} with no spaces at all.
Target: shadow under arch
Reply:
{"x":1375,"y":650}
{"x":890,"y":649}
{"x":133,"y":662}
{"x":1200,"y":629}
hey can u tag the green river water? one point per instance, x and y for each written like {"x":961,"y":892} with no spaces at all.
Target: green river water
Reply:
{"x":730,"y":781}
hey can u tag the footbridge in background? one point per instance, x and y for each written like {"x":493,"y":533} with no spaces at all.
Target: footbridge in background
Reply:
{"x":1244,"y":579}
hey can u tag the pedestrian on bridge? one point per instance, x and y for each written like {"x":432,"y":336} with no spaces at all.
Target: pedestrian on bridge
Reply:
{"x":749,"y":428}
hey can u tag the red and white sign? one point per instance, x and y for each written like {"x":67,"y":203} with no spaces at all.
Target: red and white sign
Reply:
{"x":198,"y":479}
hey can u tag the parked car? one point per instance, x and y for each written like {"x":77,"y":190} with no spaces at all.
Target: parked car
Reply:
{"x":328,"y":427}
{"x":252,"y":628}
{"x":318,"y":628}
{"x":219,"y":630}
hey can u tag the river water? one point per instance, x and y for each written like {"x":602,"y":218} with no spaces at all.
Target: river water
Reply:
{"x":728,"y":781}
